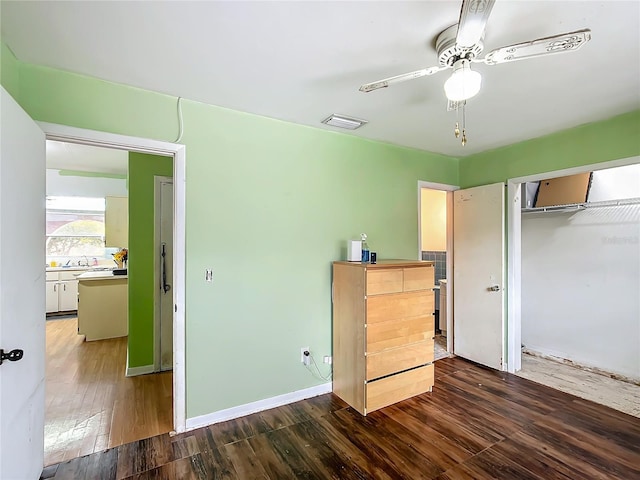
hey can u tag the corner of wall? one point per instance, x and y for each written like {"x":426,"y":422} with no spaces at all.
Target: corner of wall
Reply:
{"x":9,"y":71}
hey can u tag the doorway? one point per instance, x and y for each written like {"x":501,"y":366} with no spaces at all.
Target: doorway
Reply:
{"x":514,"y":215}
{"x":22,"y":386}
{"x":178,"y":153}
{"x":435,"y":219}
{"x":90,"y":404}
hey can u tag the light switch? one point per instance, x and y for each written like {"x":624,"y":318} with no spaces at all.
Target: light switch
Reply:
{"x":208,"y":275}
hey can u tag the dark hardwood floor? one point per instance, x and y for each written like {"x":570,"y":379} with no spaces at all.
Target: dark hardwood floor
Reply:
{"x":477,"y":423}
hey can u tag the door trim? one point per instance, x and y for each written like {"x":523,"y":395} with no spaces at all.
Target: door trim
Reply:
{"x":514,"y":252}
{"x":66,"y":133}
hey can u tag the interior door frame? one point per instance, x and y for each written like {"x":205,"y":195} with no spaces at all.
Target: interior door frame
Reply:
{"x":449,"y":268}
{"x":514,"y":250}
{"x":65,"y":133}
{"x":157,"y":355}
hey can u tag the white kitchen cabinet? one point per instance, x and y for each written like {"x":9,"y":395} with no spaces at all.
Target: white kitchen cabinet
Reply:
{"x":116,"y":222}
{"x":52,"y":296}
{"x":62,"y":291}
{"x":68,"y":295}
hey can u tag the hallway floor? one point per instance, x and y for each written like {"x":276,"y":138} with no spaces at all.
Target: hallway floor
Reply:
{"x":90,"y":404}
{"x":598,"y":388}
{"x":440,"y":347}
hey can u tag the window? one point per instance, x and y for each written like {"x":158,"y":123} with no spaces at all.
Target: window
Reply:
{"x":75,"y":227}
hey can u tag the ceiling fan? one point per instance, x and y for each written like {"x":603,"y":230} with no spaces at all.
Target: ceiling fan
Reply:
{"x":461,"y":44}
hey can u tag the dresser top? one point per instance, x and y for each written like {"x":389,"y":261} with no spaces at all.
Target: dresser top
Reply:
{"x":387,"y":264}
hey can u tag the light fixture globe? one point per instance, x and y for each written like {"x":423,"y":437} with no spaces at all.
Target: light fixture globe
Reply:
{"x":463,"y":83}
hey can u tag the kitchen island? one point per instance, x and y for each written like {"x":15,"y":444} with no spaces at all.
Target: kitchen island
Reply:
{"x":102,"y":305}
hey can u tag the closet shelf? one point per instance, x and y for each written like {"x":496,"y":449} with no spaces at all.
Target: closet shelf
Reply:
{"x":575,"y":207}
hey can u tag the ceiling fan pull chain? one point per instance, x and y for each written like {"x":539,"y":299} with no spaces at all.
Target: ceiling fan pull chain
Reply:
{"x":464,"y":124}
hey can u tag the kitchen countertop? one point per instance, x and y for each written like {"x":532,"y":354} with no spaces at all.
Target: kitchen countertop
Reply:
{"x":64,"y":269}
{"x":100,"y":275}
{"x":76,"y":268}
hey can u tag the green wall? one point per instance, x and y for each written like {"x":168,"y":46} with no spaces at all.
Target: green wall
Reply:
{"x":269,"y":205}
{"x":612,"y":139}
{"x":140,"y":268}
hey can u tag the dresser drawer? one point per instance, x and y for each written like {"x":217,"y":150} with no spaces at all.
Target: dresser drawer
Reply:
{"x":384,"y":281}
{"x":387,"y":391}
{"x":418,"y":278}
{"x":397,"y":359}
{"x":392,"y":307}
{"x":397,"y":333}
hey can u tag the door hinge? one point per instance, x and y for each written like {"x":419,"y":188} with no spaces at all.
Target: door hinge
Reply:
{"x":12,"y":356}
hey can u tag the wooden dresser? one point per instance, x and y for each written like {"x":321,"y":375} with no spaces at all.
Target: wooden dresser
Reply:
{"x":383,"y":328}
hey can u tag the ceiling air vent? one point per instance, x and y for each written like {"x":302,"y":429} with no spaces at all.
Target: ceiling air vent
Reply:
{"x":341,"y":121}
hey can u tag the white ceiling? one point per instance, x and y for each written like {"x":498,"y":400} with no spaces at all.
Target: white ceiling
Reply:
{"x":301,"y":61}
{"x":86,"y":158}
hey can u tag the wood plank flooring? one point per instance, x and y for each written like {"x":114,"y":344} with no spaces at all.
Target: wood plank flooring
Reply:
{"x":597,"y":387}
{"x":477,"y":423}
{"x":90,"y":404}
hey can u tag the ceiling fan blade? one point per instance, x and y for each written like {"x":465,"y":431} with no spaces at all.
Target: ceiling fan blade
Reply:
{"x":565,"y":42}
{"x":368,"y":87}
{"x":473,"y":18}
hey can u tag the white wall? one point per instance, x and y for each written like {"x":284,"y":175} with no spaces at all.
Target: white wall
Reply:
{"x":65,"y":185}
{"x":581,"y":282}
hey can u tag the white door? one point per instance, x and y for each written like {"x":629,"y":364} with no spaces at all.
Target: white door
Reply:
{"x":164,"y":229}
{"x":22,"y":291}
{"x":478,"y":273}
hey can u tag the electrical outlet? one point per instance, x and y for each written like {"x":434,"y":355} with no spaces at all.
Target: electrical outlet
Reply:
{"x":327,"y":359}
{"x":306,"y":359}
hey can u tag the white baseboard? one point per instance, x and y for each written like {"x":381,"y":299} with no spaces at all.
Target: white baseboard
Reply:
{"x":258,"y":406}
{"x":143,"y":370}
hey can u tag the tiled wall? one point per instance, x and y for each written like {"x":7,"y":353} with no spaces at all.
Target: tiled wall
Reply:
{"x":439,"y":260}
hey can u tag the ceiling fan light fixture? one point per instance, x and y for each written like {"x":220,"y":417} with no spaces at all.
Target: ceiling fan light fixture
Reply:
{"x":463,"y":83}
